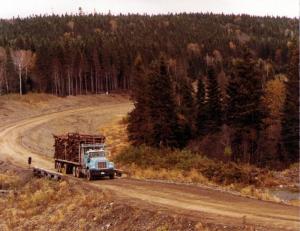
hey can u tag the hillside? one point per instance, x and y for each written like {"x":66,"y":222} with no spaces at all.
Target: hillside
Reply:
{"x":76,"y":54}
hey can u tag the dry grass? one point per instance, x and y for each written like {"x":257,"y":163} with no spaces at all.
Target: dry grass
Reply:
{"x":295,"y":202}
{"x":41,"y":204}
{"x":261,"y":194}
{"x":15,"y":107}
{"x":11,"y":176}
{"x":8,"y":181}
{"x":195,"y":177}
{"x":174,"y":175}
{"x":116,"y":137}
{"x":38,"y":203}
{"x":30,"y":98}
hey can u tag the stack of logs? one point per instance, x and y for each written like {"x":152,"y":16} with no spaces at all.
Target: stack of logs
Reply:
{"x":66,"y":147}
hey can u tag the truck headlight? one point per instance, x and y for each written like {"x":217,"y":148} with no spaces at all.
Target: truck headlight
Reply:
{"x":111,"y":165}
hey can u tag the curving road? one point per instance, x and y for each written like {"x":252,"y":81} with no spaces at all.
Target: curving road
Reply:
{"x":193,"y":201}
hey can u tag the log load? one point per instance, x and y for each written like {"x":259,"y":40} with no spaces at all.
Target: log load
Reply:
{"x":67,"y":147}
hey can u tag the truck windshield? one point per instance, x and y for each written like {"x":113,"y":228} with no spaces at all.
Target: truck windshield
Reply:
{"x":97,"y":154}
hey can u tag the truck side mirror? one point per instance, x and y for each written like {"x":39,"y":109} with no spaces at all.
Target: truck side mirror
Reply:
{"x":88,"y":159}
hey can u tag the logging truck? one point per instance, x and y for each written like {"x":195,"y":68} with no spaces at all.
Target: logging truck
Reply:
{"x":83,"y":156}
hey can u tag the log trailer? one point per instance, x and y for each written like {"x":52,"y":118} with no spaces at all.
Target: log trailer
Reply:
{"x":83,"y":156}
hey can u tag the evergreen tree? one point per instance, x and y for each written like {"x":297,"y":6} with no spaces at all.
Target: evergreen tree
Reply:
{"x":186,"y":100}
{"x":213,"y":108}
{"x":185,"y":109}
{"x":137,"y":118}
{"x":244,"y":110}
{"x":200,"y":108}
{"x":11,"y":74}
{"x":163,"y":120}
{"x":290,"y":120}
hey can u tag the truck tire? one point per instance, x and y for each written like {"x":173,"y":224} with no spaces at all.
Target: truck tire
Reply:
{"x":89,"y":175}
{"x":59,"y":167}
{"x":64,"y":168}
{"x":74,"y":171}
{"x":78,"y":172}
{"x":112,"y":176}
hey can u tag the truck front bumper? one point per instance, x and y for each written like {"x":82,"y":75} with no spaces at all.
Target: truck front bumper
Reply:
{"x":102,"y":172}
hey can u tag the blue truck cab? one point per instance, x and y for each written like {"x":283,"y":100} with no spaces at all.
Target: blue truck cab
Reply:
{"x":95,"y":162}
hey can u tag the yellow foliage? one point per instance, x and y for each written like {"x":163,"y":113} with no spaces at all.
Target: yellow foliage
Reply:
{"x":116,"y":137}
{"x":194,"y":48}
{"x":232,"y":45}
{"x":176,"y":175}
{"x":57,"y":217}
{"x":274,"y":98}
{"x":8,"y":180}
{"x":71,"y":24}
{"x":262,"y":194}
{"x":113,"y":24}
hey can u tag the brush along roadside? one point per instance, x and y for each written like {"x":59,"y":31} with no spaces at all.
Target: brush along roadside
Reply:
{"x":183,"y":166}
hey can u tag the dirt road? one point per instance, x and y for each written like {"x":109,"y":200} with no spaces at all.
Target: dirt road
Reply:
{"x":196,"y":202}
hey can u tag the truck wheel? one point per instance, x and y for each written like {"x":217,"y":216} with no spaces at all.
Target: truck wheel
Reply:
{"x":78,"y":173}
{"x":89,"y":175}
{"x":59,"y":167}
{"x":68,"y":169}
{"x":112,"y":176}
{"x":74,"y":171}
{"x":64,"y":169}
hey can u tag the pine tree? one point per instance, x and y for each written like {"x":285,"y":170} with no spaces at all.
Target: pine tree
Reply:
{"x":185,"y":109}
{"x":186,"y":104}
{"x":10,"y":73}
{"x":290,"y":120}
{"x":200,"y":108}
{"x":244,"y":111}
{"x":213,"y":108}
{"x":137,"y":119}
{"x":163,"y":120}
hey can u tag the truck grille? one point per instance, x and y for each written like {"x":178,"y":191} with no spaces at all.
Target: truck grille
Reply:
{"x":102,"y":165}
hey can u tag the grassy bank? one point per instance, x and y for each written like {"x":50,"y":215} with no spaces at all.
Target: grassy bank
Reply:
{"x":187,"y":167}
{"x":41,"y":204}
{"x":190,"y":164}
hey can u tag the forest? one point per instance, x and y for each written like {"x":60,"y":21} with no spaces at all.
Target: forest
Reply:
{"x":224,"y":85}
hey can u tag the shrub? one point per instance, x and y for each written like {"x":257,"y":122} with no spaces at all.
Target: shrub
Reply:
{"x":189,"y":163}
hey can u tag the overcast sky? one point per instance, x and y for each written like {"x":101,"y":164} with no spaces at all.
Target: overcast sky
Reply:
{"x":23,"y":8}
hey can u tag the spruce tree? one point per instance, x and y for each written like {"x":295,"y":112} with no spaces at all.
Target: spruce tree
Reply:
{"x":244,"y":111}
{"x":200,"y":108}
{"x":213,"y":108}
{"x":137,"y":118}
{"x":163,"y":120}
{"x":186,"y":102}
{"x":185,"y":109}
{"x":290,"y":120}
{"x":11,"y":74}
